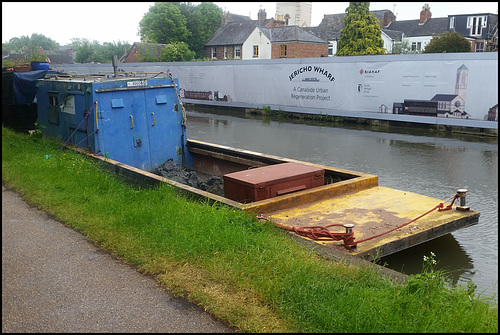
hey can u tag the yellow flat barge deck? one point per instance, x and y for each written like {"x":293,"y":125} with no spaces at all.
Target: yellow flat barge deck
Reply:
{"x":383,"y":220}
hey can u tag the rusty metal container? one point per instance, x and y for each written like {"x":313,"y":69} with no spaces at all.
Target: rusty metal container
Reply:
{"x":270,"y":181}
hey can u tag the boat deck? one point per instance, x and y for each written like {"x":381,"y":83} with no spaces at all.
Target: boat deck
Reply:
{"x":378,"y":211}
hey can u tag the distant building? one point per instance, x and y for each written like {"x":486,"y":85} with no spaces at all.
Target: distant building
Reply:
{"x":141,"y":49}
{"x":492,"y":114}
{"x":294,"y":13}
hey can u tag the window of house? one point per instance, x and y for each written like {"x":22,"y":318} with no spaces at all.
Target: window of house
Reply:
{"x":225,"y":52}
{"x":237,"y":51}
{"x":214,"y":52}
{"x":479,"y":46}
{"x":283,"y":50}
{"x":330,"y":49}
{"x":452,"y":22}
{"x":255,"y":51}
{"x":476,"y":24}
{"x":416,"y":46}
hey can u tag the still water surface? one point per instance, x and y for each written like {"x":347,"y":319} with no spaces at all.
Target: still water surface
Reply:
{"x":405,"y":159}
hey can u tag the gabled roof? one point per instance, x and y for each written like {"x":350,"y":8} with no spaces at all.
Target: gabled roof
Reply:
{"x":290,"y":34}
{"x":330,"y":27}
{"x":15,"y":57}
{"x":238,"y":18}
{"x":153,"y":48}
{"x":393,"y":34}
{"x":60,"y":59}
{"x":236,"y":33}
{"x":233,"y":33}
{"x":443,"y":97}
{"x":412,"y":28}
{"x":380,"y":14}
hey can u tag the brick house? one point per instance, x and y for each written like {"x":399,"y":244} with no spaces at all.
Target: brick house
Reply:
{"x":492,"y":114}
{"x":150,"y":50}
{"x":262,"y":39}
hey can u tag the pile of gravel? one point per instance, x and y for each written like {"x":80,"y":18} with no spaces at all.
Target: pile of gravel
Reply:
{"x":172,"y":171}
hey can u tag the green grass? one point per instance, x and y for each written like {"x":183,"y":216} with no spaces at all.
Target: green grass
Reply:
{"x":247,"y":273}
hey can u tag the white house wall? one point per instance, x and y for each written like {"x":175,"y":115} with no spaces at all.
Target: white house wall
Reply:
{"x":347,"y":85}
{"x":424,"y":40}
{"x":387,"y":43}
{"x":257,"y":38}
{"x":334,"y":48}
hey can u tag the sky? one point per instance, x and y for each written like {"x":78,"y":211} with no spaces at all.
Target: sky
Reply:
{"x":119,"y":21}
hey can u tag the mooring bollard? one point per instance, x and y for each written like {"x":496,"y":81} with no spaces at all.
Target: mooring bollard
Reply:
{"x":461,"y":194}
{"x":348,"y":227}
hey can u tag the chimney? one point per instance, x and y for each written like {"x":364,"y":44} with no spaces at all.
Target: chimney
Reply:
{"x":261,"y":16}
{"x":225,"y":19}
{"x":425,"y":13}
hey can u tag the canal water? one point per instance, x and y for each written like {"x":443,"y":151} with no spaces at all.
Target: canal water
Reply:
{"x":409,"y":159}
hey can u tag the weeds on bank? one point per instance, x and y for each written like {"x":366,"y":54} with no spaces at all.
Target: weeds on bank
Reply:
{"x":245,"y":272}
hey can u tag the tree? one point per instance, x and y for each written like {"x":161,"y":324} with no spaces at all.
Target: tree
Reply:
{"x":105,"y":53}
{"x":164,"y":24}
{"x":30,"y":44}
{"x":203,"y":23}
{"x":361,"y":34}
{"x":85,"y":50}
{"x":177,"y":52}
{"x":448,"y":42}
{"x":402,"y":47}
{"x":193,"y":25}
{"x":146,"y":53}
{"x":41,"y":41}
{"x":84,"y":53}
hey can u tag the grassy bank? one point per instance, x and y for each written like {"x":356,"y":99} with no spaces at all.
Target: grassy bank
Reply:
{"x":245,"y":272}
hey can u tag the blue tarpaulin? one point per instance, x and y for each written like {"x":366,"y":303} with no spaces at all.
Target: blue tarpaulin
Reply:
{"x":25,"y":86}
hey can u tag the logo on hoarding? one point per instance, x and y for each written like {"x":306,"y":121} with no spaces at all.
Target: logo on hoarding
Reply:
{"x":368,"y":71}
{"x":309,"y":68}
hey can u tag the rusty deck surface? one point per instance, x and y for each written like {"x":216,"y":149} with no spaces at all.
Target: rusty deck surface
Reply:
{"x":374,"y":211}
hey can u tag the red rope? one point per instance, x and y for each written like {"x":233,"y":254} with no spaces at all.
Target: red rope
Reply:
{"x":322,"y":233}
{"x":438,"y":207}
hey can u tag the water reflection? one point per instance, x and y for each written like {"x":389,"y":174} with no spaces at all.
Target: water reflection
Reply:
{"x":451,"y":258}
